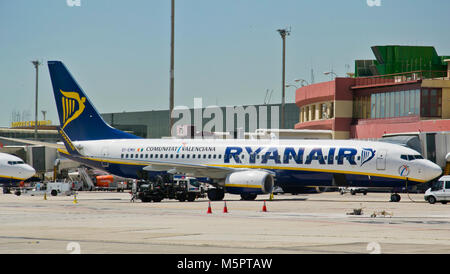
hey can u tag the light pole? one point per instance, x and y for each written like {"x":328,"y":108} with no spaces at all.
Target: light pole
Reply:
{"x":330,"y":73}
{"x":172,"y":38}
{"x":290,"y":86}
{"x":36,"y":66}
{"x":283,"y":33}
{"x":301,"y":81}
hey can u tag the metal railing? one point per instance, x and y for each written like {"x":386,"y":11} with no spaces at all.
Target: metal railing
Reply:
{"x":403,"y":77}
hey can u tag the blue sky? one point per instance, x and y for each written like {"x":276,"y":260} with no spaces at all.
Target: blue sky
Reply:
{"x":226,"y":51}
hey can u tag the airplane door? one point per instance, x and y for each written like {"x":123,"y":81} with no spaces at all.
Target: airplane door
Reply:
{"x":105,"y":154}
{"x":381,"y":160}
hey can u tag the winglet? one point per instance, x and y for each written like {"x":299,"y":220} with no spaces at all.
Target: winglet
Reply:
{"x":71,"y":148}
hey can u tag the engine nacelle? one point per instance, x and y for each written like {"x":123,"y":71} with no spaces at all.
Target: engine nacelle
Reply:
{"x":249,"y":181}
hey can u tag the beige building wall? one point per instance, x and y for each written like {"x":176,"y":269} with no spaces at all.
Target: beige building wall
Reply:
{"x":314,"y":111}
{"x":343,"y":109}
{"x":341,"y":135}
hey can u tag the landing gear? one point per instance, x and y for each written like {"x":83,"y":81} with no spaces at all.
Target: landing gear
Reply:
{"x":395,"y":198}
{"x":248,"y":196}
{"x":216,"y":194}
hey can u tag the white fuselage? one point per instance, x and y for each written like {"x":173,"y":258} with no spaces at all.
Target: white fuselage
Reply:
{"x":291,"y":160}
{"x":13,"y":169}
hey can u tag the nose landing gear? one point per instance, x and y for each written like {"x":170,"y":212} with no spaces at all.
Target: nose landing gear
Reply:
{"x":395,"y":198}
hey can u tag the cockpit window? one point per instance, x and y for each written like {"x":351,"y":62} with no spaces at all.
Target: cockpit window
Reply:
{"x":410,"y":157}
{"x":15,"y":162}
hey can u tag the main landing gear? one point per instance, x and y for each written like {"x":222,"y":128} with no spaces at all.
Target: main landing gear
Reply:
{"x":216,"y":194}
{"x":395,"y":198}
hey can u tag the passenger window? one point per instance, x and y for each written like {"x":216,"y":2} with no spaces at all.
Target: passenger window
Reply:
{"x":126,"y":156}
{"x":193,"y":156}
{"x":151,"y":155}
{"x":171,"y":156}
{"x":137,"y":155}
{"x":209,"y":156}
{"x":220,"y":156}
{"x":187,"y":156}
{"x":182,"y":156}
{"x":121,"y":155}
{"x":146,"y":155}
{"x":131,"y":156}
{"x":156,"y":155}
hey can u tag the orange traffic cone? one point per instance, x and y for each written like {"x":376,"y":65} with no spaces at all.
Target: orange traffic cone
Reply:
{"x":264,"y":209}
{"x":225,"y":209}
{"x":209,"y":208}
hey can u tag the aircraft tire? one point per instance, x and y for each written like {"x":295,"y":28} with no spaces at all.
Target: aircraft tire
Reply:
{"x":395,"y":198}
{"x":248,"y":197}
{"x":216,"y":194}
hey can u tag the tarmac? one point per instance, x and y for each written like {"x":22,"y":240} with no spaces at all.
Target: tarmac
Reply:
{"x":108,"y":223}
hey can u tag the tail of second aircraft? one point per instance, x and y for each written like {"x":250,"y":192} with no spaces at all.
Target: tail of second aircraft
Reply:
{"x":77,"y":116}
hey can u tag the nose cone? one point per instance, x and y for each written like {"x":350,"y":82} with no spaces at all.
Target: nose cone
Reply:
{"x":434,"y":171}
{"x":28,"y":171}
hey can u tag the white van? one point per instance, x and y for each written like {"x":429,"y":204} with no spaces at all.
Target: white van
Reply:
{"x":440,"y":191}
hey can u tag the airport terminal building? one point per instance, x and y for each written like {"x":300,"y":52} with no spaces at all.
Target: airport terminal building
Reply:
{"x":405,"y":91}
{"x":155,"y":123}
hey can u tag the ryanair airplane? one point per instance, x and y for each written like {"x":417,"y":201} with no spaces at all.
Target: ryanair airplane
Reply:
{"x":13,"y":170}
{"x":245,"y":167}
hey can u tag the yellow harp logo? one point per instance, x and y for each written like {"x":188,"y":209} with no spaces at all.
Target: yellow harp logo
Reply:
{"x":70,"y":110}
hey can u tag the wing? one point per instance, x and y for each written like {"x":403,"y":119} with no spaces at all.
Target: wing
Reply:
{"x":194,"y":170}
{"x":31,"y":142}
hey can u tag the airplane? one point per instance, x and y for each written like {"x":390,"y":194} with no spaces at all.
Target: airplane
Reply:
{"x":13,"y":170}
{"x":237,"y":166}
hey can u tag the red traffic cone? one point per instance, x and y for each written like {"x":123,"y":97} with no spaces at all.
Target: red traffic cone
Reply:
{"x":264,"y":209}
{"x":225,"y":209}
{"x":209,"y":208}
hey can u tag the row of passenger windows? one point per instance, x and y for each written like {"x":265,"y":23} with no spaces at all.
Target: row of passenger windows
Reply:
{"x":170,"y":156}
{"x":215,"y":156}
{"x":410,"y":157}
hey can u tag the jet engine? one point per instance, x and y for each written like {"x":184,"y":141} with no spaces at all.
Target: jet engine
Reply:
{"x":249,"y":182}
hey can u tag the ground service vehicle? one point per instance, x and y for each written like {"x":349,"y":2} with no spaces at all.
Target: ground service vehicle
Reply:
{"x":439,"y":192}
{"x":181,"y":188}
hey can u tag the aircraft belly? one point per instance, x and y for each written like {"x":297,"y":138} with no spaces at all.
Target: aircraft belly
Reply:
{"x":292,"y":178}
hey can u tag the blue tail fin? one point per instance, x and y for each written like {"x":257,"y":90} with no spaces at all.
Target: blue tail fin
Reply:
{"x":78,"y":117}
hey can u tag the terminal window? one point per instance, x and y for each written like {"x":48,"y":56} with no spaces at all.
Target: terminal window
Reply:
{"x":431,"y":102}
{"x":391,"y":104}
